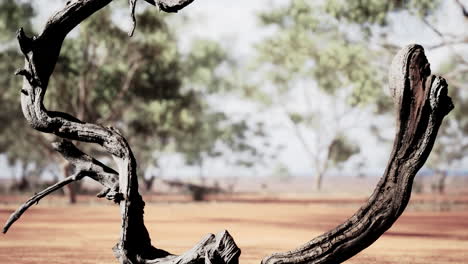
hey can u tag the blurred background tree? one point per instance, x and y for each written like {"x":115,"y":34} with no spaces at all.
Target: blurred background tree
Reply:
{"x":142,"y":85}
{"x":340,"y":51}
{"x":170,"y":98}
{"x":23,"y":147}
{"x":311,"y":54}
{"x":374,"y":17}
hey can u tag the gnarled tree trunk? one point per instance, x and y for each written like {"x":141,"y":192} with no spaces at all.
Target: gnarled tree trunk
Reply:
{"x":420,"y":98}
{"x":41,"y":55}
{"x":421,"y":102}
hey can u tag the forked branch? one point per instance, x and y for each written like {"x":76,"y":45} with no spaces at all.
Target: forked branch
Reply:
{"x":421,"y":104}
{"x":41,"y":55}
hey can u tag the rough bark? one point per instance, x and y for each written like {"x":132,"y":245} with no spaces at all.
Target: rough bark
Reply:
{"x":421,"y":101}
{"x":134,"y":245}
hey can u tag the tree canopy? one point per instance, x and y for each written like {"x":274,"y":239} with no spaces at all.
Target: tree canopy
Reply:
{"x":143,"y":85}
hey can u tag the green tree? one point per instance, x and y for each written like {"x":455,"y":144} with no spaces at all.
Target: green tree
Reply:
{"x":144,"y":86}
{"x":345,"y":48}
{"x":212,"y":134}
{"x":375,"y":17}
{"x":21,"y":146}
{"x":111,"y":78}
{"x":307,"y":48}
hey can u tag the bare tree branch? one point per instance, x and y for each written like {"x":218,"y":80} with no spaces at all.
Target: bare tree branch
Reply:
{"x":99,"y":172}
{"x":463,"y":8}
{"x":445,"y":42}
{"x":41,"y":54}
{"x":172,"y":6}
{"x":449,"y":43}
{"x":37,"y":197}
{"x":421,"y":101}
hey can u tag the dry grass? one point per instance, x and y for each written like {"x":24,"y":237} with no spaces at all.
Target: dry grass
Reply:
{"x":57,"y":234}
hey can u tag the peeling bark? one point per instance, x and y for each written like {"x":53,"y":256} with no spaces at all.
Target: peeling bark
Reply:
{"x":421,"y":101}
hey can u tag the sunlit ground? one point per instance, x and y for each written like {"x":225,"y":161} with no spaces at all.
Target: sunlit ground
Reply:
{"x":54,"y":232}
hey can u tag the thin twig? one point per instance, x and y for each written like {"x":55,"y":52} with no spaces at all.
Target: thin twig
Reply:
{"x":463,"y":8}
{"x":37,"y":197}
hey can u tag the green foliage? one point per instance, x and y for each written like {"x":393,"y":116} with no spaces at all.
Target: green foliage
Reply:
{"x":104,"y":73}
{"x":202,"y":64}
{"x":142,"y":85}
{"x":370,"y":12}
{"x":14,"y":13}
{"x":308,"y":44}
{"x":341,"y":149}
{"x":213,"y":135}
{"x":451,"y":146}
{"x":16,"y":141}
{"x":133,"y":83}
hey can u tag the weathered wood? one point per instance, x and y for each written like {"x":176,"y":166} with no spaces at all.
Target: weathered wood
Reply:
{"x":421,"y":103}
{"x":87,"y":164}
{"x":172,"y":6}
{"x":41,"y":55}
{"x":37,"y":197}
{"x":210,"y":250}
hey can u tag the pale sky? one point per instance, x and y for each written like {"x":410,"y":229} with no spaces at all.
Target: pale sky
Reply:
{"x":234,"y":24}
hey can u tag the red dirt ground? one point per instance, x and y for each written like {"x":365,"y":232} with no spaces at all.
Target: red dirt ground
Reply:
{"x":56,"y":233}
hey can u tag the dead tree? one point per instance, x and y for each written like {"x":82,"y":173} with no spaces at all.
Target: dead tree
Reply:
{"x":421,"y":103}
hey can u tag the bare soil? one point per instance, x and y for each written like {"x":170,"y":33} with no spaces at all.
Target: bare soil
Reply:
{"x":56,"y":233}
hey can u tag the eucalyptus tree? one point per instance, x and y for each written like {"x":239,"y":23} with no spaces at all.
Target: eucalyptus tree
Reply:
{"x":144,"y":86}
{"x":21,"y":146}
{"x":307,"y":48}
{"x":344,"y":48}
{"x":378,"y":19}
{"x":139,"y":80}
{"x":144,"y":70}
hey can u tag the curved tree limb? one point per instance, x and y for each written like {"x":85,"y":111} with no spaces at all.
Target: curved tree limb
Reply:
{"x":37,"y":197}
{"x":92,"y":167}
{"x":420,"y":98}
{"x":463,"y":8}
{"x":41,"y":55}
{"x":85,"y":166}
{"x":421,"y":104}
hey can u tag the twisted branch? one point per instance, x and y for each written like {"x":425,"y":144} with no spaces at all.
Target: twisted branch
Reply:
{"x":421,"y":101}
{"x":41,"y":54}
